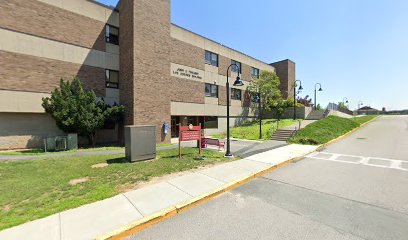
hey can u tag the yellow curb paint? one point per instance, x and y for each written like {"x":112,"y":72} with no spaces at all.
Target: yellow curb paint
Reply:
{"x":170,"y":212}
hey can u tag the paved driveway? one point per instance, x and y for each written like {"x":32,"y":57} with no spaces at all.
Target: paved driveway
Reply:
{"x":356,"y":188}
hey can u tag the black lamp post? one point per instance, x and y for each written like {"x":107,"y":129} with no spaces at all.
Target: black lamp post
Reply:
{"x":238,"y":82}
{"x":360,"y":103}
{"x":344,"y":102}
{"x":258,"y":100}
{"x":320,"y":89}
{"x":294,"y":97}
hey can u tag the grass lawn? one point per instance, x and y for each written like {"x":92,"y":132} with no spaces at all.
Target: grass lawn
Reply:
{"x":37,"y":188}
{"x":250,"y":130}
{"x":39,"y":151}
{"x":327,"y":129}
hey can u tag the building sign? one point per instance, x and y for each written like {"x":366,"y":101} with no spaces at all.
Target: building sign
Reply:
{"x":185,"y":72}
{"x":190,"y":133}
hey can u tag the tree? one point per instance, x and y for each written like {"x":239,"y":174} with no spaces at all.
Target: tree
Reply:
{"x":306,"y":101}
{"x":279,"y":107}
{"x":76,"y":110}
{"x":343,"y":106}
{"x":268,"y":86}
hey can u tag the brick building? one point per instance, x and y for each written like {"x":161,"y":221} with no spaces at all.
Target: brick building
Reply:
{"x":131,"y":54}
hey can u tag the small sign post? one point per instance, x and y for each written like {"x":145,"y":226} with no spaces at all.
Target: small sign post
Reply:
{"x":190,"y":133}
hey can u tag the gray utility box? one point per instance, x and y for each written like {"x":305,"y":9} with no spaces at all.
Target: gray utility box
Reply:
{"x":72,"y":141}
{"x":140,"y":143}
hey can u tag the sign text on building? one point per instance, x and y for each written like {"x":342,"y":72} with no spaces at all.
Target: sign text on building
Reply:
{"x":186,"y":72}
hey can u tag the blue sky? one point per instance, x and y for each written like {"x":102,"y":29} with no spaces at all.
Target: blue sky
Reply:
{"x":355,"y":48}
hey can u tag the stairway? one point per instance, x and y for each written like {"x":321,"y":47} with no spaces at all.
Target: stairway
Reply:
{"x":283,"y":134}
{"x":316,"y":115}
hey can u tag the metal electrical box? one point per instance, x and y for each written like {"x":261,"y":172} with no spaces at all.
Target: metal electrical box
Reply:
{"x":72,"y":141}
{"x":140,"y":143}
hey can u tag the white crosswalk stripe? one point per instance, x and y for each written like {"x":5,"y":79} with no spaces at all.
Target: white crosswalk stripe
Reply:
{"x":361,"y":160}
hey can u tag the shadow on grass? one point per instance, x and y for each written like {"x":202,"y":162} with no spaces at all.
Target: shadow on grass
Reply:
{"x":117,"y":161}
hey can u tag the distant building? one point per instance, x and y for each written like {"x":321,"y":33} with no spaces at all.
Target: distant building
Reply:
{"x":367,"y":111}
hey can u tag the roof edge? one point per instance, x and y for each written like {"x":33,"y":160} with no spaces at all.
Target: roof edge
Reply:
{"x":104,"y":5}
{"x":220,"y":44}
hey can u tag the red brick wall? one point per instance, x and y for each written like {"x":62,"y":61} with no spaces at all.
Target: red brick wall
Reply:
{"x":28,"y":73}
{"x":286,"y":71}
{"x":246,"y":72}
{"x":150,"y":45}
{"x":186,"y":91}
{"x":223,"y":64}
{"x":126,"y":58}
{"x":40,"y":19}
{"x":186,"y":54}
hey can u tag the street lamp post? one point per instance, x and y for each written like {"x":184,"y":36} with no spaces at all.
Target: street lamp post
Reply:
{"x":258,"y":100}
{"x":360,"y":103}
{"x":294,"y":97}
{"x":238,"y":82}
{"x":346,"y":101}
{"x":320,"y":89}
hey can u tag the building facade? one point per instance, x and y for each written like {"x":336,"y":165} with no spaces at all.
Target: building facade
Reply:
{"x":131,"y":55}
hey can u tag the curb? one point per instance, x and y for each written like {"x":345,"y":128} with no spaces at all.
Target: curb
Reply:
{"x":172,"y":211}
{"x":346,"y":134}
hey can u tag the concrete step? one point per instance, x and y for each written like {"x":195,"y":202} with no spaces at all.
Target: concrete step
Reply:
{"x":283,"y":135}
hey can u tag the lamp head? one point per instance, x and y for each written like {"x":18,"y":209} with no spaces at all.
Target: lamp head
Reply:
{"x":238,"y":82}
{"x":300,"y":87}
{"x":320,"y":89}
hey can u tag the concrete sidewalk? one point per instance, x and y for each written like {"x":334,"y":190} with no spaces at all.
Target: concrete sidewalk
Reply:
{"x":108,"y":217}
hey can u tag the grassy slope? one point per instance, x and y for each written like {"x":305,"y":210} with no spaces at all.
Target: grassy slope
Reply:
{"x":38,"y":188}
{"x":327,"y":129}
{"x":250,"y":130}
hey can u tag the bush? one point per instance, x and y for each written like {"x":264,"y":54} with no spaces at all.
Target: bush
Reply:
{"x":76,"y":110}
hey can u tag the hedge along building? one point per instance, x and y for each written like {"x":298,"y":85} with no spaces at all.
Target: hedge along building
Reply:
{"x":132,"y":55}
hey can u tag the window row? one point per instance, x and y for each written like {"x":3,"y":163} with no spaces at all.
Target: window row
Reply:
{"x":211,"y":90}
{"x":212,"y":59}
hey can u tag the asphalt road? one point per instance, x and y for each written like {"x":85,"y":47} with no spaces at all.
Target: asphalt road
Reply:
{"x":356,"y":188}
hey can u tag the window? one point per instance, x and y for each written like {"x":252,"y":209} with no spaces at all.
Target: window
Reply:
{"x":211,"y":90}
{"x":255,"y":72}
{"x":210,"y":122}
{"x":112,"y":34}
{"x":235,"y":94}
{"x":255,"y":97}
{"x":234,"y":68}
{"x":211,"y":58}
{"x":112,"y":78}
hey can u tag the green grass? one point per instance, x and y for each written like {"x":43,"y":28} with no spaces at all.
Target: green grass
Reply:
{"x":327,"y":129}
{"x":250,"y":131}
{"x":39,"y":151}
{"x":361,"y":120}
{"x":34,"y":189}
{"x":163,"y":144}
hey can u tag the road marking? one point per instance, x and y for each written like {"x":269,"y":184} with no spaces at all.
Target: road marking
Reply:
{"x":360,"y":160}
